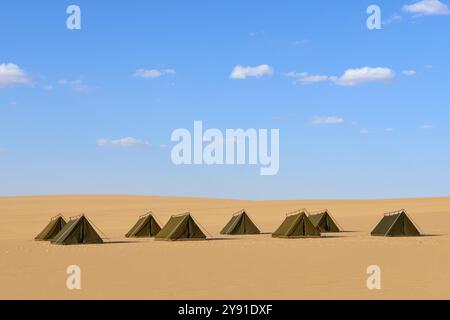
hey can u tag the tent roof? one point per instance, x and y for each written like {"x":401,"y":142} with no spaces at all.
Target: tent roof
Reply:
{"x":150,"y":213}
{"x":298,"y":212}
{"x":296,"y":225}
{"x":240,"y":224}
{"x":53,"y":227}
{"x":79,"y":230}
{"x":385,"y":224}
{"x":325,"y":221}
{"x":397,"y":223}
{"x":58,"y":216}
{"x":146,"y":226}
{"x":238,"y":213}
{"x":316,"y":217}
{"x":181,"y":227}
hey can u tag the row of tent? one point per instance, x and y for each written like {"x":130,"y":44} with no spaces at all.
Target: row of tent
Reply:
{"x":299,"y":224}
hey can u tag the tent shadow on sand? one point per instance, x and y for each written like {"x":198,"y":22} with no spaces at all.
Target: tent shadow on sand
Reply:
{"x":223,"y":239}
{"x":121,"y":242}
{"x":328,"y":236}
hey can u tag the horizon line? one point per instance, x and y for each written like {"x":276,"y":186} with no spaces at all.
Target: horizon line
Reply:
{"x":217,"y":198}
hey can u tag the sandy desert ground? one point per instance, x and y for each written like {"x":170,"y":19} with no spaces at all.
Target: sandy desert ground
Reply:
{"x":250,"y":267}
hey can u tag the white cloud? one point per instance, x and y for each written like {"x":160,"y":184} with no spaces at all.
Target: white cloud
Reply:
{"x":13,"y":104}
{"x":240,"y":72}
{"x":364,"y":131}
{"x":301,"y":42}
{"x":354,"y":77}
{"x":75,"y":85}
{"x":257,"y":33}
{"x":351,"y":77}
{"x":305,"y":78}
{"x":409,"y":73}
{"x":389,"y":130}
{"x":285,"y":116}
{"x":123,"y":143}
{"x":426,"y":127}
{"x":12,"y":75}
{"x":328,"y":120}
{"x":393,"y":19}
{"x":428,"y":8}
{"x":152,"y":73}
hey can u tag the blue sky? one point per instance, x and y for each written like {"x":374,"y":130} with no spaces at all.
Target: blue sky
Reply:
{"x":362,"y":113}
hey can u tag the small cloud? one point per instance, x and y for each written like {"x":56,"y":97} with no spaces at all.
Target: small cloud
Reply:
{"x":257,"y":33}
{"x":75,"y":85}
{"x":301,"y":42}
{"x":351,"y":77}
{"x":283,"y":117}
{"x":393,"y":19}
{"x":429,"y":66}
{"x":241,"y":73}
{"x":13,"y":104}
{"x":427,"y":8}
{"x":389,"y":129}
{"x":305,"y":78}
{"x":128,"y":142}
{"x":48,"y":87}
{"x":327,"y":120}
{"x":409,"y":73}
{"x":152,"y":73}
{"x":354,"y":77}
{"x":12,"y":75}
{"x":364,"y":131}
{"x":426,"y":127}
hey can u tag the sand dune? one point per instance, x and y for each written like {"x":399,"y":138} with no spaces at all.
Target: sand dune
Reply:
{"x":244,"y":267}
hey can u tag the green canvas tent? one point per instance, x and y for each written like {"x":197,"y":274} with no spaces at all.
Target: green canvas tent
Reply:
{"x":297,"y":225}
{"x":145,"y":227}
{"x":324,"y":221}
{"x":53,"y":227}
{"x":240,"y":224}
{"x":78,"y":230}
{"x":396,"y":224}
{"x":181,"y":227}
